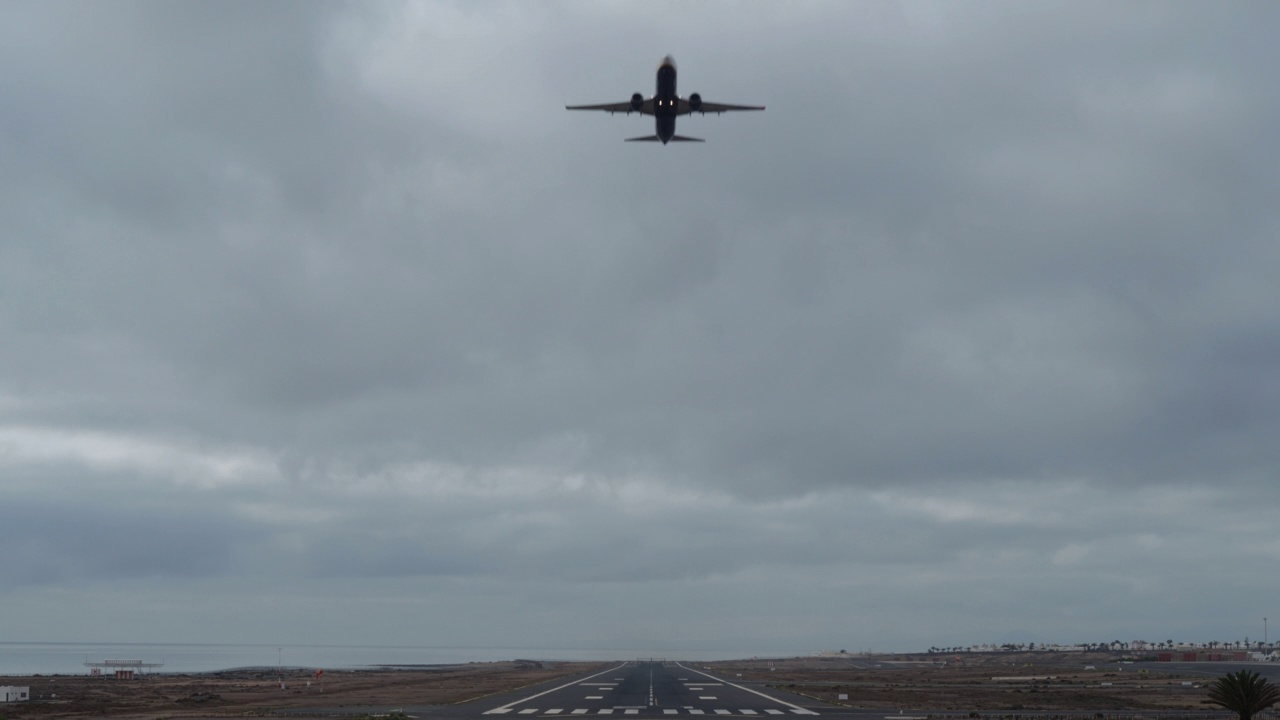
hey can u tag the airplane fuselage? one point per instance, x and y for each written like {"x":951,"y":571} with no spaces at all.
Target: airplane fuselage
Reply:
{"x":665,"y":101}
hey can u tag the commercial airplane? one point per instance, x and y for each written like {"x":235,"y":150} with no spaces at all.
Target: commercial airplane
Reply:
{"x":665,"y":106}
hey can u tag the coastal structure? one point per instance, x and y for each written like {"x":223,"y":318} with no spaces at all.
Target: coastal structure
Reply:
{"x":124,"y":669}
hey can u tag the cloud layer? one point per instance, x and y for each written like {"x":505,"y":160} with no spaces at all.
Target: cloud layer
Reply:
{"x":324,"y":320}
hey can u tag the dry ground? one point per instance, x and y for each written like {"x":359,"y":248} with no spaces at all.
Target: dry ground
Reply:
{"x":985,"y":682}
{"x":947,"y":685}
{"x":257,"y":691}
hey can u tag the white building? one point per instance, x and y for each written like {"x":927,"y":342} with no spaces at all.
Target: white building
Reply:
{"x":14,"y":693}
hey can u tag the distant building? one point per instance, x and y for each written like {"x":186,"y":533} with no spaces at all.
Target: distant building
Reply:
{"x":14,"y":693}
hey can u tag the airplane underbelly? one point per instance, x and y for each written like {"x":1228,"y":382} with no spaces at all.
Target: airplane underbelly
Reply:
{"x":666,"y":127}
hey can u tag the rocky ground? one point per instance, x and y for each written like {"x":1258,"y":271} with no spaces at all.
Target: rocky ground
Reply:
{"x":259,"y":692}
{"x":945,"y":685}
{"x":984,"y":682}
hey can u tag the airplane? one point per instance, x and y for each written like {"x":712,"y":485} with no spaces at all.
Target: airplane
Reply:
{"x":665,"y":106}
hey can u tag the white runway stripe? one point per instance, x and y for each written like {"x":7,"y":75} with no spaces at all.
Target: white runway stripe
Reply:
{"x":636,"y":711}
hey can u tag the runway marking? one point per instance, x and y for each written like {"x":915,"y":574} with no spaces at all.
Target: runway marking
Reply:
{"x":794,"y":708}
{"x":612,"y":684}
{"x":595,"y":697}
{"x":665,"y":711}
{"x":507,"y":708}
{"x":706,"y":697}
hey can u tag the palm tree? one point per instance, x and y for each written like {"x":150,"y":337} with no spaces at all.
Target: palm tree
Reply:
{"x":1243,"y":692}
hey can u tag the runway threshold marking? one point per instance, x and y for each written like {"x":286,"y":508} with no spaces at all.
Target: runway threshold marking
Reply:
{"x":507,"y":708}
{"x":794,"y":708}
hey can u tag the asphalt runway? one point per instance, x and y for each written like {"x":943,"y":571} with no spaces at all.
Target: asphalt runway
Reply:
{"x":651,"y":689}
{"x":640,"y":689}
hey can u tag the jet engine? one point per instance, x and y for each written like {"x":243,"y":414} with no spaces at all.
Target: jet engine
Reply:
{"x":637,"y":102}
{"x":695,"y":102}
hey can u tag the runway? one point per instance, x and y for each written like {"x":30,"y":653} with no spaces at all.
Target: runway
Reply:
{"x":650,"y":689}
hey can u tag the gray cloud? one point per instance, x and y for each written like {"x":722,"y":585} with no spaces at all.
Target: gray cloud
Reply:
{"x":970,"y":313}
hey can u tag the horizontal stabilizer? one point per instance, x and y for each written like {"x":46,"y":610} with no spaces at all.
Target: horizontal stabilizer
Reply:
{"x":682,"y":138}
{"x":644,"y":138}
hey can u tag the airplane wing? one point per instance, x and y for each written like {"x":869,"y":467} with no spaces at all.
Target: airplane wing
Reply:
{"x":646,"y":108}
{"x":684,"y":108}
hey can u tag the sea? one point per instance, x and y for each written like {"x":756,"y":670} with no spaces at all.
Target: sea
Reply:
{"x":24,"y":659}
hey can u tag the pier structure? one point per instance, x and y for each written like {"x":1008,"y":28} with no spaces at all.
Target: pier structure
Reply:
{"x":123,"y":669}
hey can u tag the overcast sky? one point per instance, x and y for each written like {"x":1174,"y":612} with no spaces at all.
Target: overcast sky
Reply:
{"x":325,"y":323}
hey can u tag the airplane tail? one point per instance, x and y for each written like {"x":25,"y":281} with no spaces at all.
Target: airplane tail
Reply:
{"x":655,"y":138}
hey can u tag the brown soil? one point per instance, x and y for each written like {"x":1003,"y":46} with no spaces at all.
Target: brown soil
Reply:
{"x":258,"y":691}
{"x":984,"y":682}
{"x":947,"y":685}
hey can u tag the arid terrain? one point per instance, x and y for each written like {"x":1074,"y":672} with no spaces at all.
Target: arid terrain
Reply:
{"x":258,"y":691}
{"x":942,"y":684}
{"x":983,"y":682}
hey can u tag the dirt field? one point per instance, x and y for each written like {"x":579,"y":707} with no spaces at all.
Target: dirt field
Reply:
{"x":256,"y":692}
{"x":952,"y":685}
{"x":982,"y":682}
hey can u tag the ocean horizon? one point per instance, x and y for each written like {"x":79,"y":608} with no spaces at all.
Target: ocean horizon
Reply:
{"x":62,"y":658}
